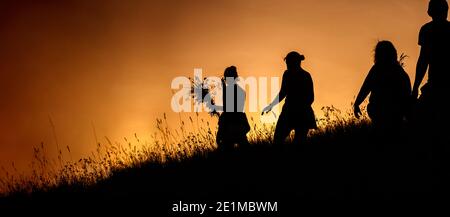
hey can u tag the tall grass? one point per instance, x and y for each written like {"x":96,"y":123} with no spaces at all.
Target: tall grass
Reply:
{"x":167,"y":145}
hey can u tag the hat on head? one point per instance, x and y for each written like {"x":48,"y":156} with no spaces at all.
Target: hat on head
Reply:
{"x":294,"y":57}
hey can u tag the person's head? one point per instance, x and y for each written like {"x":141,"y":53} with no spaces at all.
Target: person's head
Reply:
{"x":293,"y":60}
{"x":438,"y":9}
{"x":230,"y":72}
{"x":385,"y":53}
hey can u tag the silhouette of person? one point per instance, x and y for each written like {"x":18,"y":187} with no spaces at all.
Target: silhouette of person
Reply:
{"x":233,"y":123}
{"x":431,"y":121}
{"x":297,"y":113}
{"x":389,"y":87}
{"x":434,"y":39}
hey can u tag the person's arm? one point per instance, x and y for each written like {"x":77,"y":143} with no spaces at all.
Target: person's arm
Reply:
{"x":211,"y":105}
{"x":280,"y":96}
{"x":421,"y":70}
{"x":423,"y":61}
{"x":406,"y":96}
{"x":363,"y":92}
{"x":310,"y":93}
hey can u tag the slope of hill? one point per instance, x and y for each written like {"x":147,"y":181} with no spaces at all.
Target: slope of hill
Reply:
{"x":348,"y":161}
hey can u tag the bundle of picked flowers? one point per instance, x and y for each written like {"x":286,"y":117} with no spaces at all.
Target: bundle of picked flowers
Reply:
{"x":204,"y":92}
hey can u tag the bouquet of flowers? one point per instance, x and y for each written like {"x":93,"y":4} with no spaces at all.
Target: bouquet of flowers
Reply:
{"x":204,"y":92}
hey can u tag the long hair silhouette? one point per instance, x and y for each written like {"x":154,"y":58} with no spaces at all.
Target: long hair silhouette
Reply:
{"x":389,"y":87}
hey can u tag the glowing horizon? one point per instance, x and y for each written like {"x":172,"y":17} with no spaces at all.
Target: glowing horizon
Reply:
{"x":110,"y":65}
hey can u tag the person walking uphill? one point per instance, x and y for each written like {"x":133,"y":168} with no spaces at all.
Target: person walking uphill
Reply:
{"x":431,"y":122}
{"x":297,"y":113}
{"x":434,"y":39}
{"x":233,"y":123}
{"x":389,"y":87}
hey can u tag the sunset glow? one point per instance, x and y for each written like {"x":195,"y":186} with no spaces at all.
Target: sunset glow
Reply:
{"x":104,"y":68}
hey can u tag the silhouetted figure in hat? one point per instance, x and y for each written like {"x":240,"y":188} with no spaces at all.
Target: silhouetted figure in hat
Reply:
{"x":297,"y":114}
{"x":233,"y":123}
{"x":389,"y":87}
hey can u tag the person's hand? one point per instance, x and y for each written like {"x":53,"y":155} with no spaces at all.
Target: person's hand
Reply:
{"x":357,"y":111}
{"x":267,"y":109}
{"x":215,"y":113}
{"x":415,"y":94}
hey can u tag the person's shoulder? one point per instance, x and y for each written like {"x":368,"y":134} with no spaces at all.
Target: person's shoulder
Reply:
{"x":375,"y":67}
{"x":427,"y":26}
{"x":424,"y":33}
{"x":305,"y":72}
{"x":240,"y":89}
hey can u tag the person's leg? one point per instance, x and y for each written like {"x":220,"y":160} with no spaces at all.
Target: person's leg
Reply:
{"x":282,"y":130}
{"x":224,"y":142}
{"x":243,"y":142}
{"x":301,"y":136}
{"x":227,"y":146}
{"x":219,"y":138}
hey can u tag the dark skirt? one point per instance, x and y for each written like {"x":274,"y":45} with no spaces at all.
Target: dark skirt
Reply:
{"x":301,"y":118}
{"x":233,"y":128}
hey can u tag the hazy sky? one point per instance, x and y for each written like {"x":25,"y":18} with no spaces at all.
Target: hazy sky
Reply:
{"x":109,"y":63}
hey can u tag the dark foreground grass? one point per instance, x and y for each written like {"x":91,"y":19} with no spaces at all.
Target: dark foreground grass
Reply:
{"x":349,"y":161}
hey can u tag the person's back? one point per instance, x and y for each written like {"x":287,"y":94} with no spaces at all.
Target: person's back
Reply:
{"x":233,"y":123}
{"x":298,"y":85}
{"x":233,"y":98}
{"x":434,"y":37}
{"x":391,"y":88}
{"x":297,"y":114}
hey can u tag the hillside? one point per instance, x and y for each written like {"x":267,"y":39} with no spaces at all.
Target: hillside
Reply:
{"x":349,"y":161}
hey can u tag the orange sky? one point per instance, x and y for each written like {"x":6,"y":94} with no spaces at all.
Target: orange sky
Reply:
{"x":111,"y":62}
